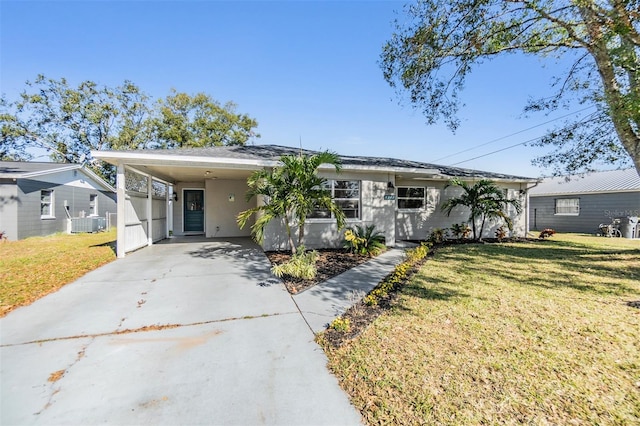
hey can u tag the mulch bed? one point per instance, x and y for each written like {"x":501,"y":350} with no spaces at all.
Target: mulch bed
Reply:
{"x":331,"y":262}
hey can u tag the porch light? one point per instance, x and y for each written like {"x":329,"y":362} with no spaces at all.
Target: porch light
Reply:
{"x":390,"y":186}
{"x":175,"y":197}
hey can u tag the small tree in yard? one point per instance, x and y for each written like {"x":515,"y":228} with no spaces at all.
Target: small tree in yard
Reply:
{"x":292,"y":192}
{"x":484,"y":200}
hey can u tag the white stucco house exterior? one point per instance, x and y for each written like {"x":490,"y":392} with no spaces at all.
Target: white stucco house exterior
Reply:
{"x":200,"y":191}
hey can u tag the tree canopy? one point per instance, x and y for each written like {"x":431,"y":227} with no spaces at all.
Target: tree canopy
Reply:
{"x":430,"y":55}
{"x":182,"y":121}
{"x":69,"y":122}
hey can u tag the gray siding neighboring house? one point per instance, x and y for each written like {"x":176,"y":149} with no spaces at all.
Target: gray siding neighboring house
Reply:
{"x":580,"y":203}
{"x":36,"y":199}
{"x":208,"y":185}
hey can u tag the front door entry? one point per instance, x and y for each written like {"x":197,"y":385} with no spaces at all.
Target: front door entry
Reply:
{"x":193,"y":210}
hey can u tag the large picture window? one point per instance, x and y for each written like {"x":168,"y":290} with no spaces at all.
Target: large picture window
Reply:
{"x":346,"y":195}
{"x":568,"y":206}
{"x":46,"y":203}
{"x":411,"y":197}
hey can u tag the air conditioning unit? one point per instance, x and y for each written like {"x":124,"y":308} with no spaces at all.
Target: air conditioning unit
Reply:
{"x":88,"y":224}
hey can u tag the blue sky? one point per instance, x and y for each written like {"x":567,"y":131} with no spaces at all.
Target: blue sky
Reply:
{"x":307,"y":71}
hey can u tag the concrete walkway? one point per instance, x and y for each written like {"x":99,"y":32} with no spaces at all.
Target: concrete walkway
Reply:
{"x":192,"y":332}
{"x":324,"y":302}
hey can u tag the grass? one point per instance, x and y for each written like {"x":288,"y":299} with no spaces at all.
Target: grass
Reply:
{"x":534,"y":333}
{"x":34,"y":267}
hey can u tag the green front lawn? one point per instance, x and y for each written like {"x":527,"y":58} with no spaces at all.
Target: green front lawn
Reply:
{"x":533,"y":333}
{"x":34,"y":267}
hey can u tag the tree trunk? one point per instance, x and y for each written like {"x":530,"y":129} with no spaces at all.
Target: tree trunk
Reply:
{"x":292,"y":245}
{"x":482,"y":227}
{"x":624,"y":122}
{"x":300,"y":233}
{"x":473,"y":226}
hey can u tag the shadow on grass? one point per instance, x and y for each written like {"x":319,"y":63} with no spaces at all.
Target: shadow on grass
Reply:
{"x":551,"y":265}
{"x":433,"y":289}
{"x":110,"y":244}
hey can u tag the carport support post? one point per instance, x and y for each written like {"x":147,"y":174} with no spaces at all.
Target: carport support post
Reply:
{"x":121,"y":197}
{"x":149,"y":210}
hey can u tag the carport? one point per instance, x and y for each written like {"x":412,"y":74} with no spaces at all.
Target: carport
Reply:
{"x":177,"y":192}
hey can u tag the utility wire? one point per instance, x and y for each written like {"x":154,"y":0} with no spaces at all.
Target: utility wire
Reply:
{"x":494,"y":152}
{"x":512,"y":134}
{"x":585,"y":119}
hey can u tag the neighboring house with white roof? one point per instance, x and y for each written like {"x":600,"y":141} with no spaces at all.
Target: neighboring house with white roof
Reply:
{"x":39,"y":198}
{"x":580,"y":203}
{"x":401,"y":198}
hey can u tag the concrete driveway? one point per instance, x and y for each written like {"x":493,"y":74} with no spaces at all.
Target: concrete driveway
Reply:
{"x":194,"y":331}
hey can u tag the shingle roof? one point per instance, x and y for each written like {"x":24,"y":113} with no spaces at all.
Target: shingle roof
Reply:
{"x":19,"y":169}
{"x":274,"y":152}
{"x":607,"y":181}
{"x":32,"y":169}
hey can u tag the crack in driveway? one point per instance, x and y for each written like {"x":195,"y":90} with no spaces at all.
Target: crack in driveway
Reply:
{"x":55,"y":377}
{"x":145,"y":328}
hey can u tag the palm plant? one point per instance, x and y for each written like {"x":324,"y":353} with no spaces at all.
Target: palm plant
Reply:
{"x":291,"y":192}
{"x":364,"y":241}
{"x":484,"y":200}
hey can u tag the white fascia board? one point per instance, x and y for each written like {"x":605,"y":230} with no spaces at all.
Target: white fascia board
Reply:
{"x":178,"y":160}
{"x":382,"y":169}
{"x":51,"y":171}
{"x":516,"y":179}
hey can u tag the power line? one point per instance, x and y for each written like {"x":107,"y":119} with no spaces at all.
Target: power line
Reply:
{"x":512,"y":134}
{"x":511,"y":146}
{"x":494,"y":152}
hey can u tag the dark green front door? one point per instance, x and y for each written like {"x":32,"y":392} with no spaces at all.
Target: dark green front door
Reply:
{"x":193,"y":210}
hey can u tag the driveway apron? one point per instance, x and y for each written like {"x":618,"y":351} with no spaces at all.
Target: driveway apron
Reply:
{"x":193,"y":331}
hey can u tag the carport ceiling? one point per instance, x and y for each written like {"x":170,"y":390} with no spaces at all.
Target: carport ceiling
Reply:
{"x":177,"y":174}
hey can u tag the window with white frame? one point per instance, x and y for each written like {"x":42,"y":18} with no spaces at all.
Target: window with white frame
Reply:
{"x":346,"y":195}
{"x":568,"y":206}
{"x":93,"y":204}
{"x":46,"y":203}
{"x":410,"y":197}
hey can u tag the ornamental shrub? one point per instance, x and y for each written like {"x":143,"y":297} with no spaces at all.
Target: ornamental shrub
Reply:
{"x":460,"y":230}
{"x":400,"y":272}
{"x":438,"y":235}
{"x":546,"y":233}
{"x":364,"y":241}
{"x":341,"y":324}
{"x":301,"y":265}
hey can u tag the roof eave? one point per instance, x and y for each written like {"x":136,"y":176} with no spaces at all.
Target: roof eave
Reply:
{"x":561,"y":194}
{"x":47,"y":172}
{"x":146,"y":158}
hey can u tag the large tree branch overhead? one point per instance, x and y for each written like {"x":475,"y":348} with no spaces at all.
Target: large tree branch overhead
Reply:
{"x":430,"y":57}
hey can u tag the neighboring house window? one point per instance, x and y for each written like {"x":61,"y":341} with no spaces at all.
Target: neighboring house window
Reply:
{"x":46,"y":203}
{"x":93,"y":204}
{"x":346,"y":195}
{"x":411,"y":197}
{"x":568,"y":206}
